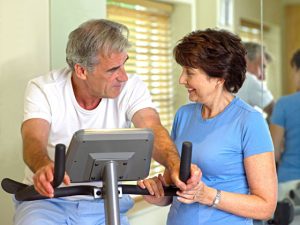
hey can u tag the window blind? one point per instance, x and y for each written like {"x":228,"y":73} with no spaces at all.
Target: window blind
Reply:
{"x":150,"y":56}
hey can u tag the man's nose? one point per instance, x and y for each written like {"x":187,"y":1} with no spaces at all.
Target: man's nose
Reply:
{"x":122,"y":76}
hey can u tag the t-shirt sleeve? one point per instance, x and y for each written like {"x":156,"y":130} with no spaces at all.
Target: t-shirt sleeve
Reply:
{"x":256,"y":136}
{"x":36,"y":104}
{"x":137,"y":97}
{"x":277,"y":116}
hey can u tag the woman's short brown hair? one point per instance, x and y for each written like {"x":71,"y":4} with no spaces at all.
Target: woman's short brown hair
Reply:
{"x":218,"y":53}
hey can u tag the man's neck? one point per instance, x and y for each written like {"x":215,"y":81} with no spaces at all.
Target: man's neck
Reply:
{"x":82,"y":96}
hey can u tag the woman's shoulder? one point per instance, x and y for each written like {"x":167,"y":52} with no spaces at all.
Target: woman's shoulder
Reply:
{"x":248,"y":113}
{"x":244,"y":106}
{"x":188,"y":107}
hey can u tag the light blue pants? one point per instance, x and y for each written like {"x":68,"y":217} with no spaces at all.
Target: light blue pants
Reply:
{"x":65,"y":212}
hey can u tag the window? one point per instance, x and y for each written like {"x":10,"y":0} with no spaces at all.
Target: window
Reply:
{"x":226,"y":13}
{"x":251,"y":31}
{"x":150,"y":56}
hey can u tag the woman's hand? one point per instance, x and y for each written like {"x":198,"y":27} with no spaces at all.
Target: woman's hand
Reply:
{"x":200,"y":193}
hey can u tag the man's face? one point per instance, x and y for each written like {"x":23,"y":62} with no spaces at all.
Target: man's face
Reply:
{"x":296,"y":76}
{"x":108,"y":77}
{"x":257,"y":67}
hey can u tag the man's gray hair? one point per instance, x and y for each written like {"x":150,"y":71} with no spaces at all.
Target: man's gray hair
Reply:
{"x":254,"y":50}
{"x":94,"y":37}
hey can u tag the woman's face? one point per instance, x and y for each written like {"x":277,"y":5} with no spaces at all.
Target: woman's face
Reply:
{"x":200,"y":86}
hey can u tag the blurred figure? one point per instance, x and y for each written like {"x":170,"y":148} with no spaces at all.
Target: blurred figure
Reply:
{"x":285,"y":131}
{"x":254,"y":90}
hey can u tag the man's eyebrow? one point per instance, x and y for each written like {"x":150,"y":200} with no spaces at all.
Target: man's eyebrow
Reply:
{"x":117,"y":67}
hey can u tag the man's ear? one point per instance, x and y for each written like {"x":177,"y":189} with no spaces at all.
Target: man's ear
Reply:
{"x":80,"y":71}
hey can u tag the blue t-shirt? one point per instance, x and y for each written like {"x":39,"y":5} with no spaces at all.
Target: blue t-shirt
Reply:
{"x":220,"y":145}
{"x":286,"y":114}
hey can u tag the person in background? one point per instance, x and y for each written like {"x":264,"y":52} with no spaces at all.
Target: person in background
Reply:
{"x":285,"y":131}
{"x":94,"y":92}
{"x":254,"y":90}
{"x":231,"y":141}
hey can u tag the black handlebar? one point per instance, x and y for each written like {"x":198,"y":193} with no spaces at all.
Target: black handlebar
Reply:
{"x":24,"y":192}
{"x":59,"y":166}
{"x":184,"y":174}
{"x":185,"y":161}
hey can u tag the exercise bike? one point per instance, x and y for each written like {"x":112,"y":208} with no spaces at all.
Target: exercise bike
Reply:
{"x":107,"y":156}
{"x":287,"y":209}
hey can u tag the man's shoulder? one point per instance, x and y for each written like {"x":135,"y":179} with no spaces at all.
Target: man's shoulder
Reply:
{"x":251,"y":78}
{"x":53,"y":77}
{"x":133,"y":78}
{"x":134,"y":82}
{"x":252,"y":83}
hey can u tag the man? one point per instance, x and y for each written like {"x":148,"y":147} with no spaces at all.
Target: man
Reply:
{"x":254,"y":90}
{"x":94,"y":92}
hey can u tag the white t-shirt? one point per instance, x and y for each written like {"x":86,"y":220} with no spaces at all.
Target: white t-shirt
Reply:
{"x":51,"y":97}
{"x":255,"y":92}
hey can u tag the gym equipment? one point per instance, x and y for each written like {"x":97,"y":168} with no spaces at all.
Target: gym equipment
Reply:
{"x":287,"y":209}
{"x":103,"y":155}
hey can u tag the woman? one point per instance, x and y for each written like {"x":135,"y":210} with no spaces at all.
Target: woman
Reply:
{"x":231,"y":142}
{"x":285,"y":131}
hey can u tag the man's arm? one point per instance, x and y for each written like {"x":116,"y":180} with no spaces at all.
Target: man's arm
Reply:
{"x":35,"y":137}
{"x":164,"y":149}
{"x":268,"y":109}
{"x":35,"y":134}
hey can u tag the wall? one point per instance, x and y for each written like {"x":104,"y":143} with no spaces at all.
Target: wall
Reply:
{"x":65,"y":16}
{"x":24,"y":44}
{"x":25,"y":53}
{"x":180,"y":27}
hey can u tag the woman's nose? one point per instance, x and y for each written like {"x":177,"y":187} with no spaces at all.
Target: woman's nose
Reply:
{"x":182,"y":79}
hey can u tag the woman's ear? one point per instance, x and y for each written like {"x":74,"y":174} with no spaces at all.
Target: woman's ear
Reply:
{"x":220,"y":81}
{"x":80,"y":71}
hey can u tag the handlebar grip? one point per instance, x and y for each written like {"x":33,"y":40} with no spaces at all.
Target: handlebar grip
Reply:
{"x":30,"y":194}
{"x":136,"y":190}
{"x":59,"y":166}
{"x":185,"y":161}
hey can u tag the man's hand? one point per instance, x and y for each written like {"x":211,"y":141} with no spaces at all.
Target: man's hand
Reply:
{"x":43,"y":179}
{"x":155,"y":186}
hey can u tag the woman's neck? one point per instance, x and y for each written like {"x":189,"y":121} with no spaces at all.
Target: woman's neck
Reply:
{"x":216,"y":106}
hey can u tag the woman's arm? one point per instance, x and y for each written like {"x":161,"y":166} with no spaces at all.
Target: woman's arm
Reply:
{"x":262,"y":179}
{"x":259,"y":204}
